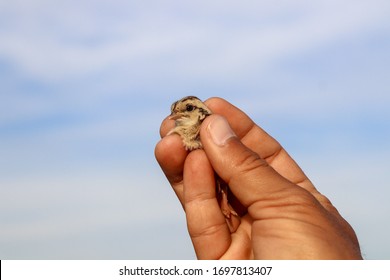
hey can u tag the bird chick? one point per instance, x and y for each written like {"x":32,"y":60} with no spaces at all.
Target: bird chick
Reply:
{"x":189,"y":113}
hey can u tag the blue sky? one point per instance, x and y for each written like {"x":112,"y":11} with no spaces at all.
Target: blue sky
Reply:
{"x":84,"y":86}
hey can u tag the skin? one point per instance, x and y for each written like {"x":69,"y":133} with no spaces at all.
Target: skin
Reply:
{"x":286,"y":218}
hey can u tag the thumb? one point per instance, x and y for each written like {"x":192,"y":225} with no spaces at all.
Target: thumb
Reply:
{"x":249,"y":177}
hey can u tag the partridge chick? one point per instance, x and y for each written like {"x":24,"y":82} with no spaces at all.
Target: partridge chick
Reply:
{"x":189,"y":113}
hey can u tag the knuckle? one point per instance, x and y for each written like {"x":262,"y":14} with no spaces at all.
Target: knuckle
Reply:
{"x":249,"y":162}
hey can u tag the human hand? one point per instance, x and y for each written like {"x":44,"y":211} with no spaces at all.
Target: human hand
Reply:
{"x":286,"y":218}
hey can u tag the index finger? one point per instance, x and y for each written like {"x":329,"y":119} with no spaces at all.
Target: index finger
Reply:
{"x":259,"y":141}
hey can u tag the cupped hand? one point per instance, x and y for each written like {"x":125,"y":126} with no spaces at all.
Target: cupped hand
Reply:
{"x":286,"y":217}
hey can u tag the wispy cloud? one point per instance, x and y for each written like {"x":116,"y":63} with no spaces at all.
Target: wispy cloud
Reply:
{"x":81,"y":53}
{"x":61,"y":43}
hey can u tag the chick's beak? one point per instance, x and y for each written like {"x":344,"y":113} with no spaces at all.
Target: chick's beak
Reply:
{"x":175,"y":116}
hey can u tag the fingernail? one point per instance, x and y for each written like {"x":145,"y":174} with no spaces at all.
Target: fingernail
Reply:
{"x":220,"y":130}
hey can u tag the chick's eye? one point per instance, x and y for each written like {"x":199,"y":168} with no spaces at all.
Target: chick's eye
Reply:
{"x":190,"y":108}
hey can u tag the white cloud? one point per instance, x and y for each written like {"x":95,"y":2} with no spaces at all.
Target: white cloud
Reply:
{"x":55,"y":205}
{"x":105,"y":54}
{"x":53,"y":42}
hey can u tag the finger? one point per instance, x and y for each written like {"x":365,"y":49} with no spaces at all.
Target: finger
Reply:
{"x":209,"y":232}
{"x":243,"y":126}
{"x":166,"y":125}
{"x":238,"y":165}
{"x":260,"y":142}
{"x":239,"y":121}
{"x":170,"y":154}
